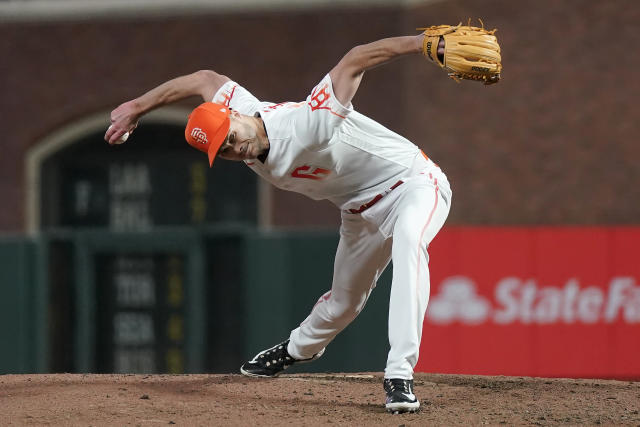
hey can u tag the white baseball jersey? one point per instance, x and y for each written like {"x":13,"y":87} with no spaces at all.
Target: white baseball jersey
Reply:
{"x":325,"y":150}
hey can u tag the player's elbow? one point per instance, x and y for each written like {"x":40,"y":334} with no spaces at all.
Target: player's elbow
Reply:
{"x":366,"y":56}
{"x":206,"y":75}
{"x":354,"y":61}
{"x":208,"y":82}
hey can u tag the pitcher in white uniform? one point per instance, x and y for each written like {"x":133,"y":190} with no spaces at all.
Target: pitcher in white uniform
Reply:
{"x":393,"y":199}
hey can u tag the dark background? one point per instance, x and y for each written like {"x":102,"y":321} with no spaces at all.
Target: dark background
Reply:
{"x":555,"y":142}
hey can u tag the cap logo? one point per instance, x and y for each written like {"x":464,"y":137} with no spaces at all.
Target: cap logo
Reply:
{"x":199,"y":135}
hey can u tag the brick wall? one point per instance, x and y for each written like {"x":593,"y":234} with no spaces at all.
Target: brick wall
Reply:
{"x":554,"y":143}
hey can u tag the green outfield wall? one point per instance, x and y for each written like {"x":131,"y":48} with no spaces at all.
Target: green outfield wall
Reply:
{"x":176,"y":300}
{"x":21,"y":319}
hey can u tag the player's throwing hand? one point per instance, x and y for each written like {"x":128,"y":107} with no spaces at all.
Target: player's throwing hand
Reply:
{"x":124,"y":120}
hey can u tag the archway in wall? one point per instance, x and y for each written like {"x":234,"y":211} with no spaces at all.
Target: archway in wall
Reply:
{"x":153,"y":180}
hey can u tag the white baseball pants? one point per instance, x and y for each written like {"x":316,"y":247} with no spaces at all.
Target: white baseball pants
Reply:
{"x":399,"y":227}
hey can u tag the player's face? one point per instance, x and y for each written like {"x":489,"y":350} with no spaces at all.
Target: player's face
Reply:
{"x":243,"y":141}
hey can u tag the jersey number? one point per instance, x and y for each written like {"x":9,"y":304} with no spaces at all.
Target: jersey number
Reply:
{"x":304,"y":172}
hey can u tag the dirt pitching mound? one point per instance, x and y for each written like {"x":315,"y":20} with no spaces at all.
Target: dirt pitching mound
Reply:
{"x":310,"y":400}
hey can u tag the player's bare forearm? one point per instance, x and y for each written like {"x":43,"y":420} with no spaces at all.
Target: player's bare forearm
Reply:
{"x":124,"y":118}
{"x":204,"y":83}
{"x":346,"y":75}
{"x":367,"y":56}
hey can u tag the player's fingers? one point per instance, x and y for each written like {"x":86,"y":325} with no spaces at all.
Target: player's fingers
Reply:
{"x":107,"y":135}
{"x":113,"y":135}
{"x":441,"y":49}
{"x":116,"y":138}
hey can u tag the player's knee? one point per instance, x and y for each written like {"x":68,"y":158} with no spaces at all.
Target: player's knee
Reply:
{"x":346,"y":311}
{"x":347,"y":315}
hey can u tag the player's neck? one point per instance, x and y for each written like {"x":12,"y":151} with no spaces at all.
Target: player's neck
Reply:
{"x":261,"y":131}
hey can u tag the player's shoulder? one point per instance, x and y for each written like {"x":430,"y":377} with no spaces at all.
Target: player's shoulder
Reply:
{"x":281,"y":115}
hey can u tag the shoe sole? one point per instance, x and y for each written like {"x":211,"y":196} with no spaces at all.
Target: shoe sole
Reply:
{"x":402,"y":407}
{"x":311,"y":359}
{"x":250,"y":374}
{"x":408,"y":411}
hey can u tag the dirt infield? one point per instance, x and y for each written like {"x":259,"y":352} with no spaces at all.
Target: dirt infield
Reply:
{"x":310,"y":400}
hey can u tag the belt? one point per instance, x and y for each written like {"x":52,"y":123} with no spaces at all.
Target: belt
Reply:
{"x":375,"y":199}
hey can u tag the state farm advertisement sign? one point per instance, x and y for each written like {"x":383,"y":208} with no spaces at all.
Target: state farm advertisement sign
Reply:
{"x":561,"y":302}
{"x":526,"y":301}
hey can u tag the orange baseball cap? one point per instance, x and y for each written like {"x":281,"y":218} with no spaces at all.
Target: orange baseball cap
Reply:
{"x":207,"y":128}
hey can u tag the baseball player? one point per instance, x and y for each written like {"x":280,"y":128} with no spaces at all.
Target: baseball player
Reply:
{"x":393,"y":199}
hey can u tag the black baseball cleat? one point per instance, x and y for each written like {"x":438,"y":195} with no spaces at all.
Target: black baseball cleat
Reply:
{"x":400,"y":397}
{"x":271,"y":362}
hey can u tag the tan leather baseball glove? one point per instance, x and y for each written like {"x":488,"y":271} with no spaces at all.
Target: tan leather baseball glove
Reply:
{"x":470,"y":53}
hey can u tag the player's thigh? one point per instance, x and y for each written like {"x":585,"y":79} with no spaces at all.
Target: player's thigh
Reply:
{"x":362,"y":255}
{"x":421,"y":213}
